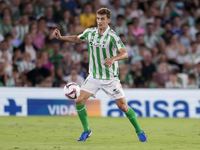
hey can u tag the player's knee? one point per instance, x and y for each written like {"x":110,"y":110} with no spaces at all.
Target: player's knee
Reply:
{"x":79,"y":101}
{"x":123,"y":107}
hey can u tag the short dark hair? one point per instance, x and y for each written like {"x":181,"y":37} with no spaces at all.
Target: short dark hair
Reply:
{"x":192,"y":43}
{"x":191,"y":76}
{"x":197,"y":34}
{"x":104,"y":11}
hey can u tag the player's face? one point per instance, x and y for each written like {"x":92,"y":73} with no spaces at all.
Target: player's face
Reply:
{"x":102,"y":21}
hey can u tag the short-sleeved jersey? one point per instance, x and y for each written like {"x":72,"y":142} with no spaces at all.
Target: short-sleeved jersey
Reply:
{"x":101,"y":47}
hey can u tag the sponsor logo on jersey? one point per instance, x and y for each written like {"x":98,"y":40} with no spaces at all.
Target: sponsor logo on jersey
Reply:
{"x":97,"y":44}
{"x":120,"y":41}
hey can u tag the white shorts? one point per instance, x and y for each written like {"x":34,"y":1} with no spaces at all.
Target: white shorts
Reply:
{"x":111,"y":87}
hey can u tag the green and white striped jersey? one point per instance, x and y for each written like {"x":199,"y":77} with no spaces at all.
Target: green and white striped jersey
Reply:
{"x":101,"y":47}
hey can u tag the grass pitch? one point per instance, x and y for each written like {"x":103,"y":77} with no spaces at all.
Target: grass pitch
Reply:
{"x":61,"y":133}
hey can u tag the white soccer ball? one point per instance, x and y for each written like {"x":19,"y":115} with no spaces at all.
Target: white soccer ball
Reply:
{"x":71,"y":90}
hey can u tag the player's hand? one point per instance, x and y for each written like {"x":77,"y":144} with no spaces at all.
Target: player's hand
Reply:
{"x":109,"y":61}
{"x":56,"y":34}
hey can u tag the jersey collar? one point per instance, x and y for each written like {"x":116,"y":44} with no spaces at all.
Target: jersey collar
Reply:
{"x":105,"y":32}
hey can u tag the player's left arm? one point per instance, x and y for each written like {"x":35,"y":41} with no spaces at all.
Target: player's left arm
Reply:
{"x":122,"y":55}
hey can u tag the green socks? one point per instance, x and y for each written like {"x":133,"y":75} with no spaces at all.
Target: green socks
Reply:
{"x":130,"y":114}
{"x":82,"y":113}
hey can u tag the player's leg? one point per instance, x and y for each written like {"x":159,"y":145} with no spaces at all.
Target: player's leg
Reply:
{"x":81,"y":110}
{"x":130,"y":114}
{"x":89,"y":88}
{"x":122,"y":104}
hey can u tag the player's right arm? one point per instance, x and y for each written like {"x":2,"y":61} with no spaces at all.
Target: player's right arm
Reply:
{"x":73,"y":39}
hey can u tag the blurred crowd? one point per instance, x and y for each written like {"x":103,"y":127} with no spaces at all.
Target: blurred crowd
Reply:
{"x":162,"y":38}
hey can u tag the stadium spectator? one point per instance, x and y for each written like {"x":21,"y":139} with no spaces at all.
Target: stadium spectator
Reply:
{"x":148,"y":68}
{"x":16,"y":42}
{"x":147,"y":18}
{"x":58,"y":9}
{"x":44,"y":56}
{"x":3,"y":74}
{"x":157,"y":26}
{"x":4,"y":47}
{"x":39,"y":8}
{"x":191,"y":82}
{"x":136,"y":29}
{"x":166,"y":16}
{"x":190,"y":59}
{"x":85,"y":61}
{"x":71,"y":5}
{"x":6,"y":25}
{"x":23,"y":28}
{"x":38,"y":73}
{"x":173,"y":81}
{"x":51,"y":21}
{"x":77,"y":24}
{"x":77,"y":65}
{"x":17,"y":56}
{"x":175,"y":52}
{"x":66,"y":63}
{"x":185,"y":38}
{"x":14,"y":79}
{"x":29,"y":11}
{"x":66,"y":17}
{"x":2,"y":7}
{"x":76,"y":53}
{"x":125,"y":76}
{"x":116,"y":10}
{"x":88,"y":18}
{"x":176,"y":28}
{"x":168,"y":33}
{"x":74,"y":77}
{"x":25,"y":65}
{"x":120,"y":27}
{"x":195,"y":29}
{"x":135,"y":11}
{"x":28,"y":46}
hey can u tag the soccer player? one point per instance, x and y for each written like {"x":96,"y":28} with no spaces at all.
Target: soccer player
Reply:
{"x":103,"y":44}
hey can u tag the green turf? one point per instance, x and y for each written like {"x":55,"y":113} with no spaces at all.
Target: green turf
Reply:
{"x":61,"y":133}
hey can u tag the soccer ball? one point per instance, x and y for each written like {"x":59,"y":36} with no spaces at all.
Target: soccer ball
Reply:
{"x":71,"y":90}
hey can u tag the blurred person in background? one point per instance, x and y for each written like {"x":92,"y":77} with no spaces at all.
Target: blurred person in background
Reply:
{"x":74,"y":77}
{"x":85,"y":61}
{"x":6,"y":25}
{"x":4,"y":47}
{"x":8,"y":65}
{"x":14,"y":79}
{"x":127,"y":14}
{"x":116,"y":10}
{"x":168,"y":33}
{"x":66,"y":46}
{"x":173,"y":81}
{"x":185,"y":38}
{"x":151,"y":39}
{"x":175,"y":52}
{"x":51,"y":21}
{"x":2,"y":7}
{"x":166,"y":16}
{"x":17,"y":56}
{"x":125,"y":76}
{"x":153,"y":4}
{"x":147,"y":18}
{"x":56,"y":57}
{"x":29,"y":11}
{"x":129,"y":35}
{"x":27,"y":46}
{"x":58,"y":9}
{"x":88,"y":18}
{"x":137,"y":30}
{"x":120,"y":27}
{"x":76,"y":53}
{"x":46,"y":63}
{"x":46,"y":82}
{"x":77,"y":24}
{"x":198,"y":43}
{"x":3,"y":74}
{"x":37,"y":72}
{"x":191,"y":58}
{"x":66,"y":18}
{"x":77,"y":65}
{"x":70,"y":29}
{"x":162,"y":75}
{"x":176,"y":28}
{"x":158,"y":30}
{"x":66,"y":63}
{"x":23,"y":28}
{"x":139,"y":81}
{"x":71,"y":5}
{"x":39,"y":8}
{"x":9,"y":39}
{"x":186,"y":18}
{"x":135,"y":11}
{"x":16,"y":42}
{"x":26,"y":64}
{"x":148,"y":68}
{"x":195,"y":29}
{"x":192,"y":82}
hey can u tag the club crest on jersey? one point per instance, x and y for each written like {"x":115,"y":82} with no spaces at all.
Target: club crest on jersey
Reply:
{"x":105,"y":40}
{"x":97,"y":44}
